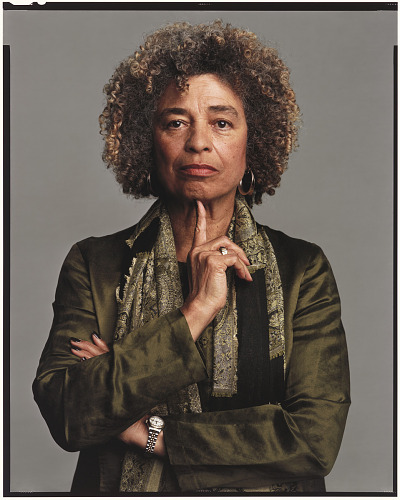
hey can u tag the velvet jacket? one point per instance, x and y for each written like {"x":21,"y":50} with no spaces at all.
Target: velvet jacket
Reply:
{"x":86,"y":405}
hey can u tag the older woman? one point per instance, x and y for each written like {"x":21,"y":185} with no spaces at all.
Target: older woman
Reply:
{"x":197,"y":350}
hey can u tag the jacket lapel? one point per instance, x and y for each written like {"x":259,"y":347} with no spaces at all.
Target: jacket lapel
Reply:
{"x":104,"y":285}
{"x":110,"y":268}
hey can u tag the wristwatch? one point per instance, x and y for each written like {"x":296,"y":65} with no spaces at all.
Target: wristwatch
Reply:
{"x":156,"y":425}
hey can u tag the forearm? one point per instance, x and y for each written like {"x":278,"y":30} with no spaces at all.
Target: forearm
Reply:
{"x":85,"y":403}
{"x":265,"y":442}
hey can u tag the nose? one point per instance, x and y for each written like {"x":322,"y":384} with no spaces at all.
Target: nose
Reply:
{"x":198,"y":138}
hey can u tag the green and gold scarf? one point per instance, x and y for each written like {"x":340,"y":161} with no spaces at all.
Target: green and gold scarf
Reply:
{"x":153,"y":289}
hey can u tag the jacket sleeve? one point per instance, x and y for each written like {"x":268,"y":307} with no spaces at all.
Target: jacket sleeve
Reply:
{"x":298,"y":439}
{"x":86,"y":403}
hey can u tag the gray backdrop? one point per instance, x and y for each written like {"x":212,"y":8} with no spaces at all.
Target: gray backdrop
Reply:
{"x":337,"y":193}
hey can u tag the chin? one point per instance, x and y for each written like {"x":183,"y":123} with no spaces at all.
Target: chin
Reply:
{"x":191,"y":194}
{"x":199,"y":191}
{"x":208,"y":198}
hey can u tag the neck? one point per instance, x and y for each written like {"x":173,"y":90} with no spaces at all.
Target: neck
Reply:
{"x":183,"y":220}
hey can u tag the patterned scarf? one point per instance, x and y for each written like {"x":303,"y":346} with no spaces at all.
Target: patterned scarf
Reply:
{"x":153,"y":289}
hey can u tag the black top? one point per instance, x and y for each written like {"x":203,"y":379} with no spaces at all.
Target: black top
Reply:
{"x":256,"y":383}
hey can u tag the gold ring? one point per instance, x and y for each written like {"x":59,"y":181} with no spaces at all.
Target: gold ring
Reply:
{"x":223,"y":250}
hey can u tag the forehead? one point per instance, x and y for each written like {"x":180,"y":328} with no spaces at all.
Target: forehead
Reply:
{"x":204,"y":90}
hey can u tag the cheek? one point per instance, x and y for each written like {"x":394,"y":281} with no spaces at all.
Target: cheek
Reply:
{"x":235,"y":153}
{"x":164,"y":151}
{"x":242,"y":150}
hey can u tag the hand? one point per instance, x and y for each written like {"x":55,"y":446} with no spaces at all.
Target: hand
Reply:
{"x":207,"y":275}
{"x":85,"y":350}
{"x":137,"y":434}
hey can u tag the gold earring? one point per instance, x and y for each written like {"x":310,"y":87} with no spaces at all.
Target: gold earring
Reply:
{"x":150,"y":187}
{"x":251,"y":187}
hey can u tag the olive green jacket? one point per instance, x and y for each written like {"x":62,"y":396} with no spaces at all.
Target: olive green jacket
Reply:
{"x":87,"y":404}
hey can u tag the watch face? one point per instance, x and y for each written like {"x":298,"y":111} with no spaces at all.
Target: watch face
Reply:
{"x":157,"y":422}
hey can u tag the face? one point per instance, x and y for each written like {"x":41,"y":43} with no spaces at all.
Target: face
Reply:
{"x":200,"y":139}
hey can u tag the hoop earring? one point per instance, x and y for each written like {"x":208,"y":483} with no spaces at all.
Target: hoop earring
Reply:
{"x":252,"y":185}
{"x":150,"y":189}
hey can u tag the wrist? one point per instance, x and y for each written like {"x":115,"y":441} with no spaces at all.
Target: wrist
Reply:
{"x":197,"y":317}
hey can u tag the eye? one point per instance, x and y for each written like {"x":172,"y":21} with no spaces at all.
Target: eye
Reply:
{"x":174,"y":124}
{"x":223,"y":124}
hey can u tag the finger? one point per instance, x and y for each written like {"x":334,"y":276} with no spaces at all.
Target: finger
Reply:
{"x":224,"y":241}
{"x":242,"y":271}
{"x":83,"y":355}
{"x":231,"y":259}
{"x":99,"y":342}
{"x":200,"y":232}
{"x":87,"y":347}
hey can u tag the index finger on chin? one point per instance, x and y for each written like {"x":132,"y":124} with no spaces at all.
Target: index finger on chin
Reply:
{"x":200,"y":232}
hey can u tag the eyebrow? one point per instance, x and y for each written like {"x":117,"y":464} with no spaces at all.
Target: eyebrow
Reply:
{"x":173,"y":111}
{"x":225,"y":109}
{"x":213,"y":109}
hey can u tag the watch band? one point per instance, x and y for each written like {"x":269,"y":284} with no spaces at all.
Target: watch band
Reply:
{"x":152,"y":440}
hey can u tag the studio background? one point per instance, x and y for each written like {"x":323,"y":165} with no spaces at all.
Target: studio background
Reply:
{"x":337,"y":193}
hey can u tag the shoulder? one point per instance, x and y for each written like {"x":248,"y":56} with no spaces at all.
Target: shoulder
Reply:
{"x":288,"y":247}
{"x":108,"y":250}
{"x":294,"y":255}
{"x":107,"y":241}
{"x":304,"y":270}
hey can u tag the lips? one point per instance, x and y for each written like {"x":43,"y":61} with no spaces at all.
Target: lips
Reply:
{"x":198,"y":170}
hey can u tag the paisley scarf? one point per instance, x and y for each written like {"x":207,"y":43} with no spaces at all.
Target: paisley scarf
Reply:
{"x":153,"y":288}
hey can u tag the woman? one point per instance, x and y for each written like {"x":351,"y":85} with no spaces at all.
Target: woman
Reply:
{"x":197,"y":350}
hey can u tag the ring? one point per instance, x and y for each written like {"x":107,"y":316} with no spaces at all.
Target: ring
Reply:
{"x":223,"y":250}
